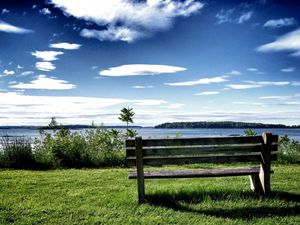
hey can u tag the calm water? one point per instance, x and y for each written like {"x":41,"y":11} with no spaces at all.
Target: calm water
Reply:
{"x":158,"y":133}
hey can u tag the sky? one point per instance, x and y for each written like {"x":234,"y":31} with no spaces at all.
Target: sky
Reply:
{"x":170,"y":60}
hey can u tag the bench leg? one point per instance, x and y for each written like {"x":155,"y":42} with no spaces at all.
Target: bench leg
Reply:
{"x":140,"y":170}
{"x":255,"y":184}
{"x":141,"y":190}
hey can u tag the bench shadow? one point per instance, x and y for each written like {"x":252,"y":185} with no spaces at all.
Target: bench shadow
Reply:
{"x":182,"y":201}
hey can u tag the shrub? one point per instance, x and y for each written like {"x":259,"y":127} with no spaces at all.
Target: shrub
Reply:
{"x":16,"y":153}
{"x":249,"y":132}
{"x":106,"y":147}
{"x":288,"y":150}
{"x":95,"y":148}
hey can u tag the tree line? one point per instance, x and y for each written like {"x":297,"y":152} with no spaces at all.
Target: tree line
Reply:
{"x":221,"y":124}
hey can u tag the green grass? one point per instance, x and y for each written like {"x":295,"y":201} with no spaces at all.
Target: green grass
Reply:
{"x":106,"y":196}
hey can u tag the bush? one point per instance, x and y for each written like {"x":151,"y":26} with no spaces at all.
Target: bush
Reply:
{"x":96,"y":148}
{"x":288,"y":150}
{"x":16,"y":153}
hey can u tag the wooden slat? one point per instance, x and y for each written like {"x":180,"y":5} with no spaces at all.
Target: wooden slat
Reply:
{"x":197,"y":141}
{"x":157,"y":174}
{"x":200,"y":150}
{"x":156,"y":161}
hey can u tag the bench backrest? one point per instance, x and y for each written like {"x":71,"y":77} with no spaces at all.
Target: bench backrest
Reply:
{"x":201,"y":150}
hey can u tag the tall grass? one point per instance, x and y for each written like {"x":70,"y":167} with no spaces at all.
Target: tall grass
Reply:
{"x":16,"y":153}
{"x":63,"y":149}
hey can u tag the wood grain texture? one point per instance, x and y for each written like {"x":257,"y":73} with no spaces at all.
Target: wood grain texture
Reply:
{"x":157,"y":174}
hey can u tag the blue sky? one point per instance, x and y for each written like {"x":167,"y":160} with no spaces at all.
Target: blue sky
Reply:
{"x":82,"y":61}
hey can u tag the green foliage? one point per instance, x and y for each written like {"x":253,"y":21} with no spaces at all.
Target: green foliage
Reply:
{"x":97,"y":147}
{"x":288,"y":150}
{"x":126,"y":115}
{"x":16,"y":153}
{"x":250,"y":132}
{"x":53,"y":122}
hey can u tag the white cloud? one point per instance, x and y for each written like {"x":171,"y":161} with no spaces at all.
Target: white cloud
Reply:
{"x":47,"y":55}
{"x":287,"y":42}
{"x":139,"y":87}
{"x":26,"y":73}
{"x":288,"y":70}
{"x":283,"y":22}
{"x":234,"y":72}
{"x":243,"y":86}
{"x":208,"y":93}
{"x":20,"y":109}
{"x":65,"y":45}
{"x":8,"y":73}
{"x":173,"y":106}
{"x":248,"y":103}
{"x":140,"y":69}
{"x":245,"y":17}
{"x":252,"y":69}
{"x":45,"y":66}
{"x":233,"y":15}
{"x":136,"y":17}
{"x":292,"y":103}
{"x":149,"y":102}
{"x":20,"y":67}
{"x":44,"y":82}
{"x":4,"y":11}
{"x":45,"y":11}
{"x":295,"y":83}
{"x":142,"y":86}
{"x":255,"y":84}
{"x":200,"y":81}
{"x":275,"y":97}
{"x":114,"y":34}
{"x":8,"y":28}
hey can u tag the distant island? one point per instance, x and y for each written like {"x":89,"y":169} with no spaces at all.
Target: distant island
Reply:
{"x":221,"y":124}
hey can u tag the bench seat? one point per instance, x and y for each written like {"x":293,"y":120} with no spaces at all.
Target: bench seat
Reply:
{"x":157,"y":174}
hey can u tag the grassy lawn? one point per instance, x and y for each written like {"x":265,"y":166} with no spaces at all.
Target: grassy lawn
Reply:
{"x":106,"y":196}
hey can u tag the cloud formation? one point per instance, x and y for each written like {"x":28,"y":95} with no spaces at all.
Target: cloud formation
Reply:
{"x":257,"y":84}
{"x":45,"y":11}
{"x":65,"y":45}
{"x":208,"y":93}
{"x":47,"y":55}
{"x":283,"y":22}
{"x":142,"y":86}
{"x":233,"y":16}
{"x":140,"y":69}
{"x":21,"y":109}
{"x":44,"y":82}
{"x":234,"y":72}
{"x":288,"y":70}
{"x":8,"y":28}
{"x":127,"y":20}
{"x":288,"y":42}
{"x":8,"y":73}
{"x":26,"y":73}
{"x":200,"y":81}
{"x":252,"y":69}
{"x":45,"y":66}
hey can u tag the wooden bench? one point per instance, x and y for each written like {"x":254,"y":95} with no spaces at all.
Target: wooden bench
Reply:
{"x":156,"y":152}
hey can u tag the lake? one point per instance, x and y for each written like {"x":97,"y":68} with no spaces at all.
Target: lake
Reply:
{"x":159,"y":133}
